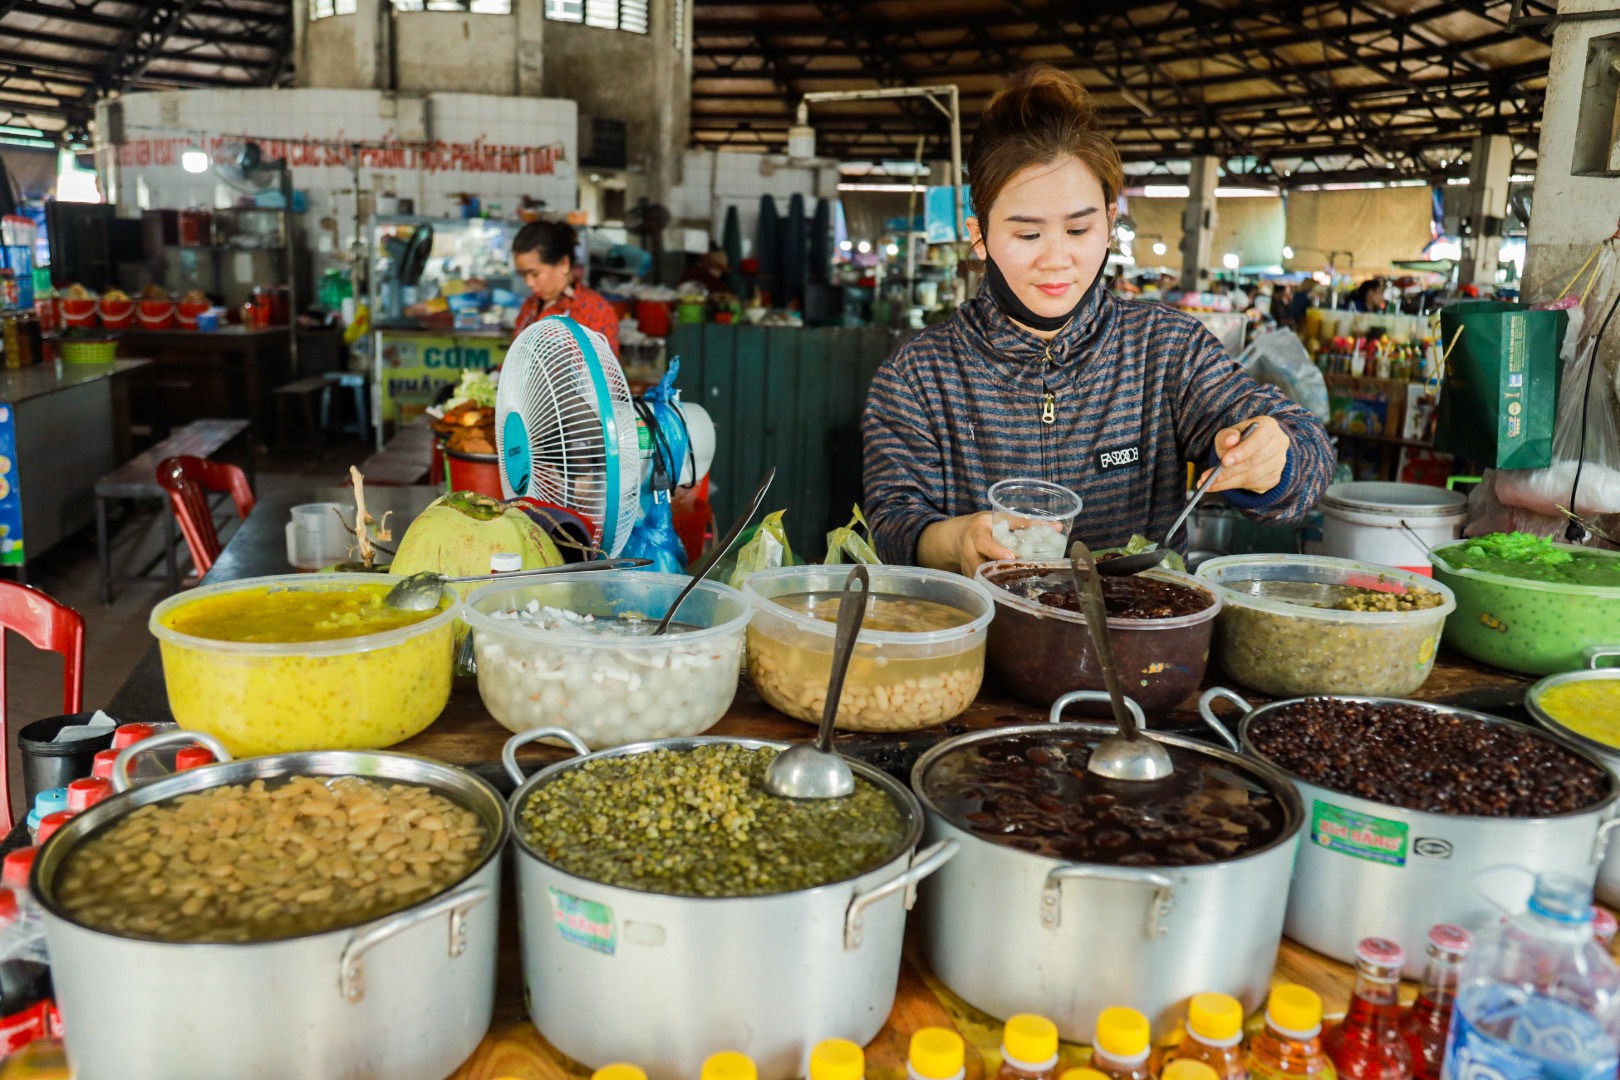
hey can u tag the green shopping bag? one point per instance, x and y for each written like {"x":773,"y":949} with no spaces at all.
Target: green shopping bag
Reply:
{"x":1499,"y":402}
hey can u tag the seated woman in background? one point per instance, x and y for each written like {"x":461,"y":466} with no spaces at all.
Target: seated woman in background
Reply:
{"x":543,"y":253}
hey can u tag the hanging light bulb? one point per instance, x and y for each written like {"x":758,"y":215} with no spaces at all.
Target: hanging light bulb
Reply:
{"x":1159,"y":248}
{"x":194,"y":160}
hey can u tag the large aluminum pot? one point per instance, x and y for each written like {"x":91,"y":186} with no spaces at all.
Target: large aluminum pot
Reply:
{"x":619,"y":974}
{"x":1371,"y":869}
{"x":1012,"y":931}
{"x":1608,"y":879}
{"x":406,"y":996}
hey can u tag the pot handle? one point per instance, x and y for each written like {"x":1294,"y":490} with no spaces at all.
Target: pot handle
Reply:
{"x":1206,"y":709}
{"x":523,"y":738}
{"x":922,"y":864}
{"x":1605,"y":837}
{"x":351,"y":966}
{"x":1596,"y":654}
{"x":178,"y":737}
{"x":1161,"y":905}
{"x":1097,"y":697}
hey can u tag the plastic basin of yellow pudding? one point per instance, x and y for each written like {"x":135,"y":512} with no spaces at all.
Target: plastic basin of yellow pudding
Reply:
{"x":280,"y":664}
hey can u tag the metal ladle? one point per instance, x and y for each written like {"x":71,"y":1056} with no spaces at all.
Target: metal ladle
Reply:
{"x":1130,"y":755}
{"x":1123,"y":565}
{"x":814,"y":770}
{"x":706,"y":563}
{"x":424,"y":591}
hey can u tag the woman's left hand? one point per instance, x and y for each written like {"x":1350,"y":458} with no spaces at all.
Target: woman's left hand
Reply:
{"x":1257,"y":465}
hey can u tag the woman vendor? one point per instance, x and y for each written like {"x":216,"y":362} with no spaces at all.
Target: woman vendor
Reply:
{"x":543,"y":255}
{"x":1047,"y":375}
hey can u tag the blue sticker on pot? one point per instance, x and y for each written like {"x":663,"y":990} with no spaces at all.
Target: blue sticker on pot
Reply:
{"x":584,"y":922}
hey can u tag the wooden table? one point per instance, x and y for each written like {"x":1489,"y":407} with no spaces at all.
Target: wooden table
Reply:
{"x":467,"y":736}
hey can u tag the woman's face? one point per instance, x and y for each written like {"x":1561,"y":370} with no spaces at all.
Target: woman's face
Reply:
{"x":1048,"y":232}
{"x":545,"y":280}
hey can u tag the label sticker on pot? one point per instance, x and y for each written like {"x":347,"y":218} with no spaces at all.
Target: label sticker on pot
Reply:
{"x":1360,"y":835}
{"x":584,"y":922}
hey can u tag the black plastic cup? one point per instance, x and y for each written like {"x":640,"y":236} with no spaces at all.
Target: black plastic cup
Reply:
{"x":48,"y":764}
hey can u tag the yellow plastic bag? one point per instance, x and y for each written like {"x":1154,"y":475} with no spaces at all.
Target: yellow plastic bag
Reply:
{"x":767,"y":548}
{"x":849,"y":545}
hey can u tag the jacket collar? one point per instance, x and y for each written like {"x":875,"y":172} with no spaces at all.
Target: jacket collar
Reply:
{"x":1013,"y":348}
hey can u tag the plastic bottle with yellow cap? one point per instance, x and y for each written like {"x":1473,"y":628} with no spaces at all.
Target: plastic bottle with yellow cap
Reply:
{"x":1215,"y":1035}
{"x":1186,"y":1069}
{"x":1121,"y":1046}
{"x":936,"y":1054}
{"x":1291,"y":1044}
{"x":728,"y":1065}
{"x":619,"y":1070}
{"x":837,"y":1059}
{"x":1082,"y":1074}
{"x":1029,"y":1048}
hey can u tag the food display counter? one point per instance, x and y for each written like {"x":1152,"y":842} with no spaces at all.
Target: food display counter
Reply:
{"x":466,"y":735}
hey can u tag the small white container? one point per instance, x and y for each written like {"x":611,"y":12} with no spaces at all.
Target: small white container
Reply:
{"x":1362,"y":520}
{"x":1032,"y":518}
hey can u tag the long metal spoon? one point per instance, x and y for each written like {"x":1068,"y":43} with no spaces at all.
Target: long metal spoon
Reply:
{"x":706,"y":563}
{"x":1130,"y":755}
{"x":815,"y":771}
{"x":1121,"y":565}
{"x":423,"y":591}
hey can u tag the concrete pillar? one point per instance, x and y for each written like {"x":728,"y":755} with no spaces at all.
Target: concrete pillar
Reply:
{"x":1198,"y":224}
{"x":1573,"y":207}
{"x":530,"y":46}
{"x":300,"y":49}
{"x":370,"y":43}
{"x":1490,"y":164}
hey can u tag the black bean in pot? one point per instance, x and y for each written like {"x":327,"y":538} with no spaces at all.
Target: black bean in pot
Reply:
{"x":1419,"y":759}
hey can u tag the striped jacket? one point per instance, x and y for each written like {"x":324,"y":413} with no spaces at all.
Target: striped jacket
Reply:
{"x":1113,"y":407}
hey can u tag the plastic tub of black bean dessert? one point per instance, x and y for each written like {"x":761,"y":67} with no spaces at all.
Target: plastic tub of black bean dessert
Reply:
{"x":662,"y":878}
{"x":1413,"y":807}
{"x":1039,"y":647}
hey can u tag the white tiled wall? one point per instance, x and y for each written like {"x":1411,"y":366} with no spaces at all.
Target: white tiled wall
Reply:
{"x":739,"y":180}
{"x":365,"y":116}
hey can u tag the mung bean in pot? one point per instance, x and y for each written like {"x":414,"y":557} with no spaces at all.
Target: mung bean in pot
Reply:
{"x":263,"y":861}
{"x":1420,"y":759}
{"x":699,"y":822}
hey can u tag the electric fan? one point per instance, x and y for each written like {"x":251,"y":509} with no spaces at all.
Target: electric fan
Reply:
{"x":565,"y":428}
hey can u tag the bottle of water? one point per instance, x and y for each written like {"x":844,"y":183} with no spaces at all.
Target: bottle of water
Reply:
{"x":1539,"y":999}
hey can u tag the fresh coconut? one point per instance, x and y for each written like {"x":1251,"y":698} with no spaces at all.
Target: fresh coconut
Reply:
{"x":458,"y":532}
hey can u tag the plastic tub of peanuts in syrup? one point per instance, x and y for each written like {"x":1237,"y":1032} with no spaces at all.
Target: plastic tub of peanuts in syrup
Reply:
{"x":918,"y":661}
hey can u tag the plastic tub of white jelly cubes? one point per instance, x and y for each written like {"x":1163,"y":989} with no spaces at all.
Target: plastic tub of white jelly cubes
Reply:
{"x":1032,"y":518}
{"x":576,"y":651}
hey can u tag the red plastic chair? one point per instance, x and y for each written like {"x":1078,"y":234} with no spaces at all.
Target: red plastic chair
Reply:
{"x":188,"y":480}
{"x":45,"y":624}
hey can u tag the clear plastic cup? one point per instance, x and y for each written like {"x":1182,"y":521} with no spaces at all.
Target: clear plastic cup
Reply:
{"x":316,"y":536}
{"x":1032,"y":518}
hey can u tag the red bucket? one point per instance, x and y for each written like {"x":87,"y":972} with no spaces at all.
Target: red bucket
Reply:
{"x":80,"y":313}
{"x":475,"y":472}
{"x":155,"y":314}
{"x":653,"y":318}
{"x":187,"y":311}
{"x":117,"y":314}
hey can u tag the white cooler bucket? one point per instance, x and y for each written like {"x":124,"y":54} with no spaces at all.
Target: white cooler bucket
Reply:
{"x":1362,"y":520}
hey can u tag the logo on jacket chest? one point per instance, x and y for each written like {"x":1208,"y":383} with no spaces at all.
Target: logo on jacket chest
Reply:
{"x":1120,"y":456}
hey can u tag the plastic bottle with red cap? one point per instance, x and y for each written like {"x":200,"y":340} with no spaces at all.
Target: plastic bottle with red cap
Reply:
{"x":1369,"y":1044}
{"x":50,"y":824}
{"x":192,"y":757}
{"x":130,"y":734}
{"x":16,"y":867}
{"x":85,"y":792}
{"x":1426,"y":1025}
{"x":27,"y":1005}
{"x":1603,"y":926}
{"x":102,"y":768}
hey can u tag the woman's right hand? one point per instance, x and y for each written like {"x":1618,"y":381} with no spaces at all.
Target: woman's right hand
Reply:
{"x":960,"y":544}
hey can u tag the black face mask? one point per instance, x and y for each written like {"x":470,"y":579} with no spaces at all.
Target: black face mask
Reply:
{"x":1008,"y":303}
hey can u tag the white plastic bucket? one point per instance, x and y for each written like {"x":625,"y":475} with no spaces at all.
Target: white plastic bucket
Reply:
{"x":1362,"y":520}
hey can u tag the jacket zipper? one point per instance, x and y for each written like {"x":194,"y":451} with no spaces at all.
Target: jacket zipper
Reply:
{"x":1048,"y":399}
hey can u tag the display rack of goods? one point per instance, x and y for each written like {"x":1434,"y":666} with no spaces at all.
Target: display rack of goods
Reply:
{"x":1159,"y":621}
{"x":1584,"y":706}
{"x":300,"y":662}
{"x":919,"y":659}
{"x":1304,"y":624}
{"x":1529,"y":604}
{"x":1410,"y":802}
{"x":576,"y":651}
{"x":1072,"y":893}
{"x":663,"y":878}
{"x":254,"y":916}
